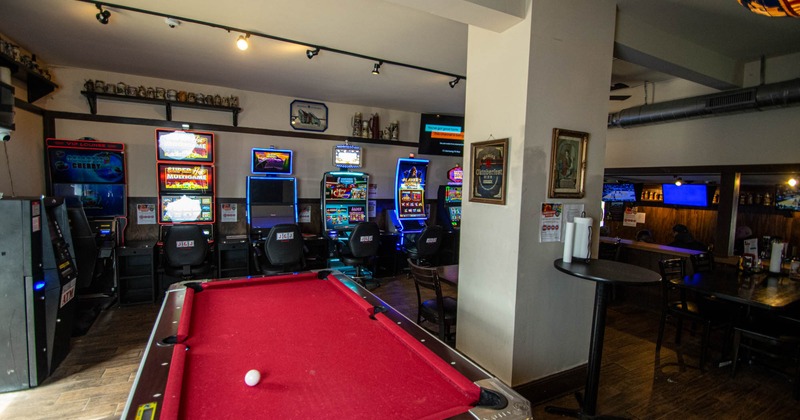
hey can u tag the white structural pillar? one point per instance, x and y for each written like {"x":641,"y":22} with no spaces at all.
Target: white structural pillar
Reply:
{"x":517,"y":315}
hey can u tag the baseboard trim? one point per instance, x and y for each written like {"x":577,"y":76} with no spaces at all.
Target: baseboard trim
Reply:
{"x":553,"y":386}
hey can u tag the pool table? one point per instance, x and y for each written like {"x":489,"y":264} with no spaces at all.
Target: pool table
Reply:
{"x":325,"y":348}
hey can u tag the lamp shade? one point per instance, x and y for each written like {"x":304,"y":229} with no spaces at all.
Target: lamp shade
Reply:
{"x":773,"y":8}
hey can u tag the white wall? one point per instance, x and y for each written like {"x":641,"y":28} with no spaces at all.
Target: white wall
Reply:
{"x":518,"y":316}
{"x":232,"y":149}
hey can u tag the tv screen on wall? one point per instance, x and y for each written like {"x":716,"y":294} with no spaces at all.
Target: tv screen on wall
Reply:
{"x":619,"y":192}
{"x":787,"y":198}
{"x":441,"y":135}
{"x":685,"y":195}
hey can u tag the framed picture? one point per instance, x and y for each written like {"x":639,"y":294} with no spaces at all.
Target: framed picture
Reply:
{"x":309,"y":116}
{"x":489,"y":171}
{"x":568,"y":164}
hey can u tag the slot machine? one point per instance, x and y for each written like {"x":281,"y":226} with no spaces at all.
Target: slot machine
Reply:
{"x":410,"y":213}
{"x":344,"y":193}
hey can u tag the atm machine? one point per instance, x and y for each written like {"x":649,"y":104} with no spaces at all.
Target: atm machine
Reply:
{"x":38,"y":282}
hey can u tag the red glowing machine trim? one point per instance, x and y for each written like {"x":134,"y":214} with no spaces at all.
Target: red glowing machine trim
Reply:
{"x":185,"y":176}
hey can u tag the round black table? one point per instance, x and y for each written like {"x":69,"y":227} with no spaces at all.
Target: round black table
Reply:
{"x":604,"y":273}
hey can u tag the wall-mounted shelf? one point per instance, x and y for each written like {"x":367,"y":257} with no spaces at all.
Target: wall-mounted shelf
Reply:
{"x":380,"y":141}
{"x":6,"y":106}
{"x":92,"y":97}
{"x":38,"y":85}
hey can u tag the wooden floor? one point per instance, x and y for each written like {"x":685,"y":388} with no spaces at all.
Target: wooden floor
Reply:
{"x":94,"y":380}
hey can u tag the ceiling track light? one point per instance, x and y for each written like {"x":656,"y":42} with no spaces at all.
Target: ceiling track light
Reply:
{"x":242,"y":42}
{"x":678,"y":181}
{"x":454,"y":82}
{"x":377,"y":68}
{"x":311,"y":53}
{"x":103,"y":15}
{"x":792,"y":182}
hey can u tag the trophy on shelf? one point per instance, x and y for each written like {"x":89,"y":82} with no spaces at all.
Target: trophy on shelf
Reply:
{"x":357,"y":125}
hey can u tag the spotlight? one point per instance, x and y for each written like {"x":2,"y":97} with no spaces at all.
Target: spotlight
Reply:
{"x":792,"y":182}
{"x":242,"y":42}
{"x":679,"y":181}
{"x":454,"y":82}
{"x":376,"y":68}
{"x":311,"y":53}
{"x":103,"y":15}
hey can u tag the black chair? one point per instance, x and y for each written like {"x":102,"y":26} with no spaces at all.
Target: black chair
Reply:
{"x":423,"y":247}
{"x":85,"y":245}
{"x":775,"y":337}
{"x":680,"y":308}
{"x":360,"y":248}
{"x":702,"y":262}
{"x":283,"y":250}
{"x":440,"y":310}
{"x":186,"y":252}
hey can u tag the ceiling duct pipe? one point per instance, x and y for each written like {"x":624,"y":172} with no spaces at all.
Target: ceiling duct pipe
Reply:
{"x":780,"y":94}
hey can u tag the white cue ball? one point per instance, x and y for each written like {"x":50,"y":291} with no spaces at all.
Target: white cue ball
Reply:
{"x":252,"y":377}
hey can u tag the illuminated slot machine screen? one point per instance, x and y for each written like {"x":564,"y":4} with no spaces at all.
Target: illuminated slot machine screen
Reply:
{"x":347,"y":156}
{"x":198,"y":179}
{"x":455,"y":215}
{"x":186,"y":208}
{"x":91,"y":171}
{"x":452,"y":195}
{"x":186,"y":193}
{"x":271,"y":161}
{"x":410,"y":199}
{"x":188,"y":146}
{"x":345,"y":199}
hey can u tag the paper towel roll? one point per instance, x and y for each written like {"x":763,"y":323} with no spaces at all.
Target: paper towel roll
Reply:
{"x":569,"y":241}
{"x":583,"y":237}
{"x":776,"y":257}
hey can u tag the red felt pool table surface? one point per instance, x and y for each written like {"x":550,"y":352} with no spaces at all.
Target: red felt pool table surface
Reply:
{"x":321,"y":349}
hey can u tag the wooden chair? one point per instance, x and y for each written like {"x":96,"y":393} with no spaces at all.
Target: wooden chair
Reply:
{"x":440,"y":310}
{"x":680,"y":308}
{"x":777,"y":338}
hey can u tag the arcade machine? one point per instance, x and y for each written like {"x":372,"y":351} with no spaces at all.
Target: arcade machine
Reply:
{"x":185,"y":163}
{"x":91,"y":176}
{"x":409,"y":214}
{"x":38,"y":281}
{"x":344,"y":196}
{"x":271,"y":196}
{"x":448,"y":212}
{"x":344,"y":193}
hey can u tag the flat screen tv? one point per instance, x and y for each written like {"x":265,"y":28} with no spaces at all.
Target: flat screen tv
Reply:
{"x":195,"y":179}
{"x":787,"y":198}
{"x":98,"y":200}
{"x":619,"y":192}
{"x":186,"y":208}
{"x":685,"y":195}
{"x":441,"y":135}
{"x":268,"y":190}
{"x":188,"y":146}
{"x":271,"y":161}
{"x":347,"y":156}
